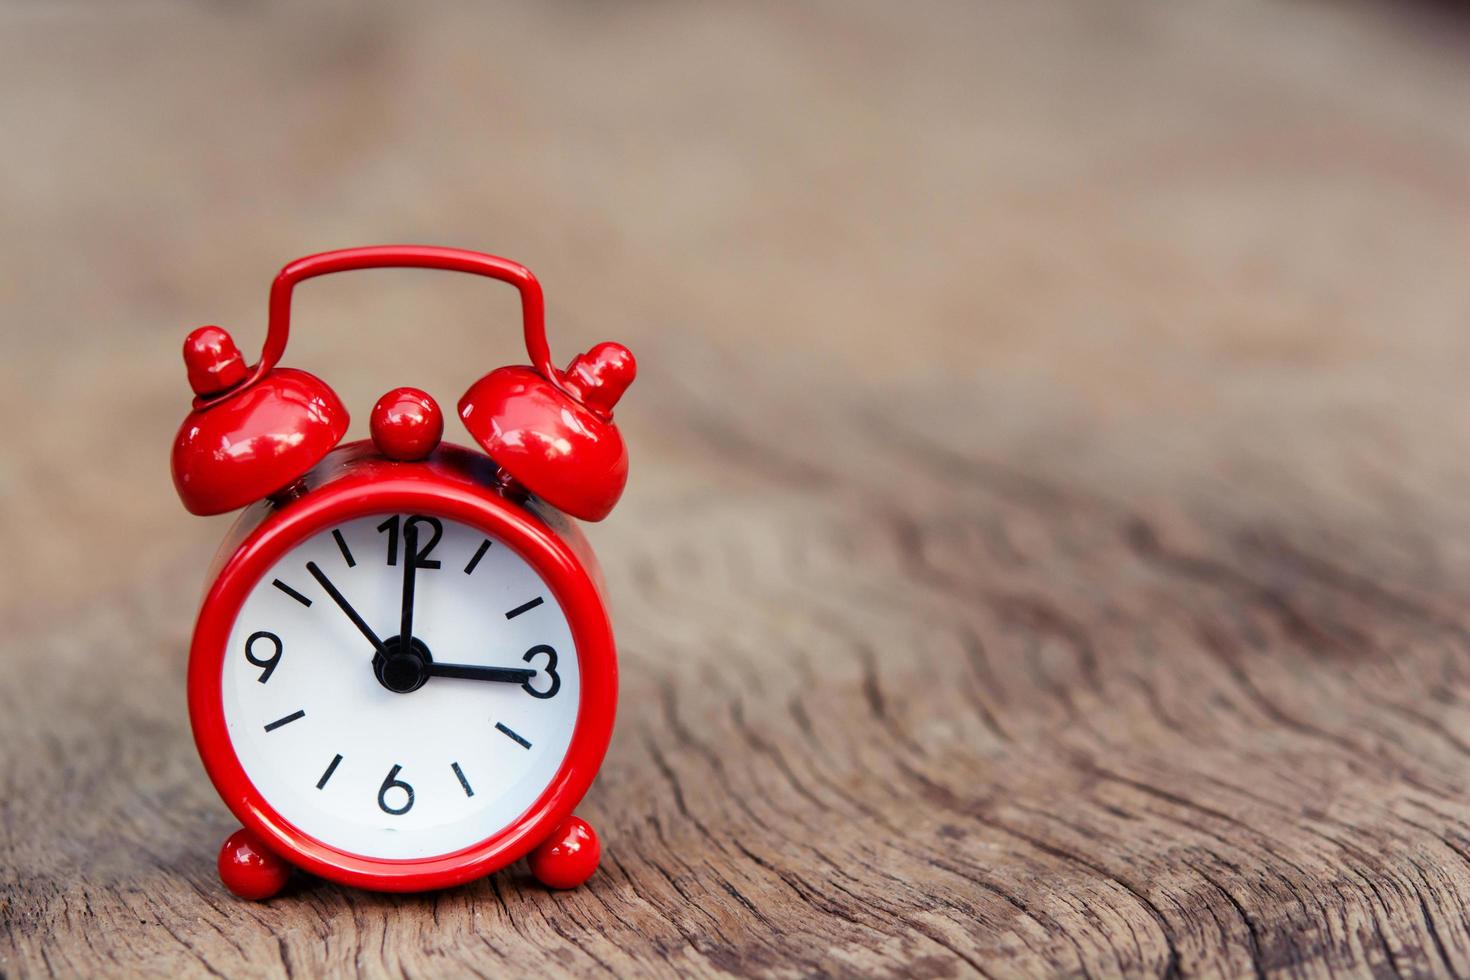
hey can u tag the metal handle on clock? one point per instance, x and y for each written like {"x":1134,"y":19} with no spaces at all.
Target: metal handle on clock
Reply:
{"x":533,"y":305}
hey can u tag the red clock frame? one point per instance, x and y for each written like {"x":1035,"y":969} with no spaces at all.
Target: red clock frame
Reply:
{"x":454,"y":483}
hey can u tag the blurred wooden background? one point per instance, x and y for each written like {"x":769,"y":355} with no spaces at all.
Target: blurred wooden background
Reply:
{"x":1047,"y":549}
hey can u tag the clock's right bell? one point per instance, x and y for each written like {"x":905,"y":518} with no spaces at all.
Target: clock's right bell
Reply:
{"x":558,"y":440}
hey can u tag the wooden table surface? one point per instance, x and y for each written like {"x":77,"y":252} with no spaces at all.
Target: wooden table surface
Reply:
{"x":1047,"y":549}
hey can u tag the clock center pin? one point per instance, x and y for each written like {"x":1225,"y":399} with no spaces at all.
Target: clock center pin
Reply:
{"x":403,"y":670}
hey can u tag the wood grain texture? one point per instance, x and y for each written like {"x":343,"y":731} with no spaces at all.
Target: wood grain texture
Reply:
{"x":1046,"y":551}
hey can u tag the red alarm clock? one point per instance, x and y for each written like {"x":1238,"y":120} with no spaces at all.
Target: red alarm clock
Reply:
{"x":403,"y":674}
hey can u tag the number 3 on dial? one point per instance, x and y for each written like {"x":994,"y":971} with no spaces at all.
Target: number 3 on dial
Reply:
{"x":549,"y":670}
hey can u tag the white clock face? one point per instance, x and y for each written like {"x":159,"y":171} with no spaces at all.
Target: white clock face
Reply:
{"x":388,"y":747}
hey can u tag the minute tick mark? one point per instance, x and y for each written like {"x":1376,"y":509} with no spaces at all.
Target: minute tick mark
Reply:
{"x":336,"y":761}
{"x":512,"y":736}
{"x":291,"y":592}
{"x":480,"y":553}
{"x":524,"y":607}
{"x":342,"y":546}
{"x":462,"y":781}
{"x":286,"y":720}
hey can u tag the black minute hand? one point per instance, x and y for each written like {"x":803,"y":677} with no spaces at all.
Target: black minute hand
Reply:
{"x":473,"y":672}
{"x":410,"y":566}
{"x":346,"y":607}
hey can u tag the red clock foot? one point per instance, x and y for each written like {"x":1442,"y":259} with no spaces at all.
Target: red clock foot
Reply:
{"x":568,"y":857}
{"x":249,"y":870}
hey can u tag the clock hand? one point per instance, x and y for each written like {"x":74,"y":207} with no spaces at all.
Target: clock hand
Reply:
{"x":346,"y":607}
{"x":473,"y":672}
{"x":410,"y":564}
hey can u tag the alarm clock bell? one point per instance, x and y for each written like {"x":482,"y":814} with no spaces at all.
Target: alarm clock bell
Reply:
{"x":244,"y":441}
{"x":557,"y":440}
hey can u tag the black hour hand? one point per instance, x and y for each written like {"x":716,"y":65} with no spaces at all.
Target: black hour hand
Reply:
{"x":474,"y":672}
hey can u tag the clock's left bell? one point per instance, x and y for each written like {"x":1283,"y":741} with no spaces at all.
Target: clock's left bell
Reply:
{"x":248,"y":436}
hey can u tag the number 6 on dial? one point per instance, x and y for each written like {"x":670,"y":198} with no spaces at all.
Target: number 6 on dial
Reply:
{"x":391,"y":781}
